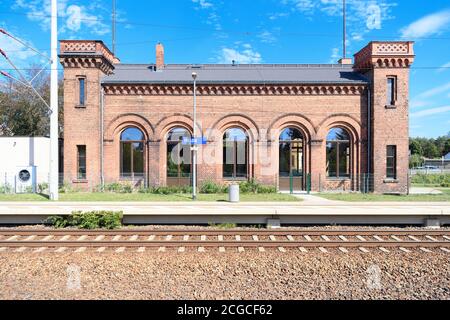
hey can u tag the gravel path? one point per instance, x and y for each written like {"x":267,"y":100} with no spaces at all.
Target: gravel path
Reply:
{"x":212,"y":275}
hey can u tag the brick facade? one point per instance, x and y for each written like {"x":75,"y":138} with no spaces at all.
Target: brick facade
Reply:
{"x":263,"y":111}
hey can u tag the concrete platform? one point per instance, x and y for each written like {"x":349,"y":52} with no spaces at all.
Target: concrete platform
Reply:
{"x":379,"y":213}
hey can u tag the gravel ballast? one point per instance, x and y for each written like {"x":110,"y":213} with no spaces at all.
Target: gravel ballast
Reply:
{"x":231,"y":275}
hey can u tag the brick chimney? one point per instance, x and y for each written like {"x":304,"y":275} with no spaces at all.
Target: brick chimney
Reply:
{"x":159,"y":56}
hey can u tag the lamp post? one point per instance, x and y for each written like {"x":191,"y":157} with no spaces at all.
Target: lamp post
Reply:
{"x":194,"y":146}
{"x":54,"y":165}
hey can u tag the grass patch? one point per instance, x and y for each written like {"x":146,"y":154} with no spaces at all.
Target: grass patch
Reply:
{"x":359,"y":197}
{"x":149,"y":197}
{"x":22,"y":197}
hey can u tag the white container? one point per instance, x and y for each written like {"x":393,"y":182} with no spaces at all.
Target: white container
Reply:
{"x":233,"y":193}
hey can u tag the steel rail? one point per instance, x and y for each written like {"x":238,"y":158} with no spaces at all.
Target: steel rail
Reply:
{"x":227,"y":243}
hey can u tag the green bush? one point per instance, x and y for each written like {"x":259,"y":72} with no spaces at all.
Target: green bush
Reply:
{"x":210,"y":187}
{"x":88,"y":220}
{"x":42,"y":187}
{"x":6,"y":188}
{"x":113,"y":187}
{"x":223,"y":225}
{"x":67,"y":188}
{"x":126,"y":188}
{"x":431,"y":179}
{"x":252,"y":186}
{"x":116,"y":188}
{"x":166,"y":190}
{"x":267,"y":189}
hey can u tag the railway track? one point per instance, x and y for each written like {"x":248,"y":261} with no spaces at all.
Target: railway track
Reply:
{"x":223,"y":240}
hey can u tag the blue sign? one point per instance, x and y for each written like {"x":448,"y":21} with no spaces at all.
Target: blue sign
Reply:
{"x":194,"y":141}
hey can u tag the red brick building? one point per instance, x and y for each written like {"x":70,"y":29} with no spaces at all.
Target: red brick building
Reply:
{"x":330,"y":125}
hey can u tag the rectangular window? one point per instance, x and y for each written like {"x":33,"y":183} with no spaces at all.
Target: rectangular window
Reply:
{"x":391,"y":162}
{"x":82,"y":88}
{"x":81,"y":162}
{"x":391,"y":91}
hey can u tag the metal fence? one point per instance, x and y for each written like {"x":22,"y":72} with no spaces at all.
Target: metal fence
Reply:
{"x":33,"y":182}
{"x":438,"y":170}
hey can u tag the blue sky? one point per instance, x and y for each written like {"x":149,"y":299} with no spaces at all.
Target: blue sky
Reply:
{"x":253,"y":31}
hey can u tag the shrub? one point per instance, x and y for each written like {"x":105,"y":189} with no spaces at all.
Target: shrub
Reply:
{"x":113,"y":187}
{"x":126,"y":188}
{"x":6,"y":188}
{"x":88,"y":220}
{"x":431,"y":179}
{"x":252,"y":186}
{"x":117,"y":188}
{"x":267,"y":189}
{"x":210,"y":187}
{"x":67,"y":188}
{"x":223,"y":225}
{"x":42,"y":187}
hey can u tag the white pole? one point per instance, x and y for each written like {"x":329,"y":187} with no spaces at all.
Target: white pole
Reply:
{"x":194,"y":149}
{"x":54,"y":166}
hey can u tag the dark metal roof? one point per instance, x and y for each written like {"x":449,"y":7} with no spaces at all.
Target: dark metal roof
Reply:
{"x":235,"y":74}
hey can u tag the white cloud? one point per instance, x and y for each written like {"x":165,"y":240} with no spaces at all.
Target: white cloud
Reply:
{"x":275,"y":16}
{"x":435,"y":91}
{"x":204,"y":4}
{"x":418,"y":104}
{"x":430,"y":112}
{"x":335,"y":56}
{"x":213,"y":17}
{"x":19,"y":55}
{"x":362,"y":16}
{"x":426,"y":26}
{"x":75,"y":17}
{"x":246,"y":56}
{"x":267,"y":37}
{"x":444,"y":67}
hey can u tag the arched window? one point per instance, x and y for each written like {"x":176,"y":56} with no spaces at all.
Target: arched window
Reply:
{"x":338,"y":153}
{"x":291,"y":152}
{"x":132,"y":142}
{"x":178,"y":157}
{"x":291,"y":159}
{"x":235,"y":154}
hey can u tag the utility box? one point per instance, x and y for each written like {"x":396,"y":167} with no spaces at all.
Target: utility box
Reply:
{"x":233,"y":193}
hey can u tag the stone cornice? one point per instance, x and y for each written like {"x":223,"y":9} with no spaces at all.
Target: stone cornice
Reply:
{"x":92,"y":61}
{"x":87,"y":54}
{"x":390,"y":54}
{"x":233,"y":90}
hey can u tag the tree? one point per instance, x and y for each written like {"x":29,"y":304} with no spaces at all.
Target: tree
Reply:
{"x":22,"y":112}
{"x":416,"y":147}
{"x":447,"y":147}
{"x":415,"y":161}
{"x":431,"y":151}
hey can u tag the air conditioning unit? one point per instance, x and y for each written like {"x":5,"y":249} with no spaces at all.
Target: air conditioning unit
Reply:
{"x":25,"y":179}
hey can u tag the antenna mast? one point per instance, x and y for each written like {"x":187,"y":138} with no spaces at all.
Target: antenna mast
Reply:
{"x":344,"y":44}
{"x":114,"y":27}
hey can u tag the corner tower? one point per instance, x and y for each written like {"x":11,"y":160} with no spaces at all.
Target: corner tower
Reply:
{"x":386,"y":65}
{"x":85,"y":63}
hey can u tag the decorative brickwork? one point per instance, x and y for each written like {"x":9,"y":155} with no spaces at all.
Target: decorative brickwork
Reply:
{"x":233,"y":90}
{"x":385,"y":55}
